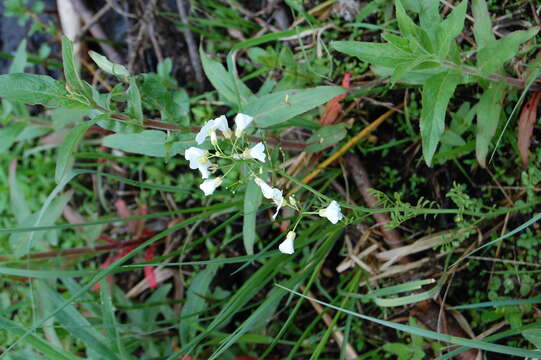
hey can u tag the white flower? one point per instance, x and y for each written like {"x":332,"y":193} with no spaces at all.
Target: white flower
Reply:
{"x":198,"y":159}
{"x":286,"y":246}
{"x":241,"y":122}
{"x":210,"y":128}
{"x":255,"y":152}
{"x":332,"y":212}
{"x":208,"y":186}
{"x":271,"y":193}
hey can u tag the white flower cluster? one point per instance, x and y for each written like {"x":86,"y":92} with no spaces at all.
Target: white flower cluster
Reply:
{"x":200,"y":159}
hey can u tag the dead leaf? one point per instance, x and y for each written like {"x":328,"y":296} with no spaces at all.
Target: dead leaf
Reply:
{"x":334,"y":106}
{"x":526,"y":123}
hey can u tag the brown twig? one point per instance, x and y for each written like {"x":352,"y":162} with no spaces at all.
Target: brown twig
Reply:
{"x":96,"y":31}
{"x":360,"y":176}
{"x":192,"y":48}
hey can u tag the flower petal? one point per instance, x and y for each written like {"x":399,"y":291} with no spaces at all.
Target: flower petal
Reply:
{"x":208,"y":186}
{"x":287,"y":246}
{"x":333,"y":213}
{"x":257,"y":152}
{"x":241,"y":122}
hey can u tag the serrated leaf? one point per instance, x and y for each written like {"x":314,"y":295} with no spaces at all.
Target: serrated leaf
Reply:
{"x":109,"y":66}
{"x":482,"y":28}
{"x":495,"y":54}
{"x":410,"y":30}
{"x":387,"y":55}
{"x":436,"y":94}
{"x":135,"y":108}
{"x":488,"y":117}
{"x":198,"y":290}
{"x":37,"y":89}
{"x":252,"y":201}
{"x":326,"y":136}
{"x":234,"y":92}
{"x":64,"y":160}
{"x":279,"y":107}
{"x":451,"y":27}
{"x":150,"y":143}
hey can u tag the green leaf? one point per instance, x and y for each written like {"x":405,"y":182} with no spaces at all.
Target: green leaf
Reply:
{"x":252,"y":201}
{"x":491,"y":57}
{"x":109,"y":66}
{"x":476,"y":344}
{"x":533,"y":336}
{"x":195,"y":302}
{"x":410,"y":76}
{"x":436,"y":94}
{"x":482,"y":28}
{"x":77,"y":324}
{"x":451,"y":27}
{"x":37,"y":343}
{"x":8,"y":135}
{"x":325,"y":137}
{"x":64,"y":160}
{"x":234,"y":92}
{"x":281,"y":106}
{"x":135,"y":108}
{"x":406,"y":25}
{"x":22,"y":242}
{"x":488,"y":117}
{"x":19,"y":60}
{"x":37,"y":89}
{"x":387,"y":55}
{"x":19,"y":205}
{"x":71,"y":70}
{"x":410,"y":30}
{"x":150,"y":143}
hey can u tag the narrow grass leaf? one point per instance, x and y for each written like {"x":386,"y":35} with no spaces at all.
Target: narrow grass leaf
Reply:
{"x":37,"y":343}
{"x":476,"y":344}
{"x":195,"y":302}
{"x":77,"y":324}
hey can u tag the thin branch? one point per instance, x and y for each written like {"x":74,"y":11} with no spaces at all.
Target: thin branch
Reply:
{"x":192,"y":48}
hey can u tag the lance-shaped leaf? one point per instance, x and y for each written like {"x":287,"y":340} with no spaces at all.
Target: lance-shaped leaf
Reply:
{"x":281,"y":106}
{"x":37,"y":89}
{"x":109,"y":66}
{"x":488,"y":118}
{"x":436,"y":94}
{"x":387,"y":55}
